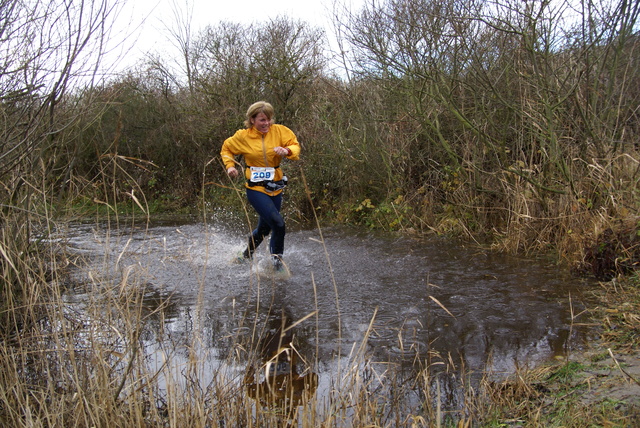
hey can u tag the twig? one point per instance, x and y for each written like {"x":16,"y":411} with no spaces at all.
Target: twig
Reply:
{"x":621,"y":369}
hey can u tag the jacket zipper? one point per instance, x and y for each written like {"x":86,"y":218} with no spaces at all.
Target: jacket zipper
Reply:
{"x":264,"y":152}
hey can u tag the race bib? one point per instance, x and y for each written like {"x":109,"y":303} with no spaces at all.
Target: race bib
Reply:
{"x":261,"y":173}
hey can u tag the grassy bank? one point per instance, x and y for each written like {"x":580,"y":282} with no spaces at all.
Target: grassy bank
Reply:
{"x":596,"y":386}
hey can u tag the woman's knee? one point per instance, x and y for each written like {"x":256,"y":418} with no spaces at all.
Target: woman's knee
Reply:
{"x":277,"y":222}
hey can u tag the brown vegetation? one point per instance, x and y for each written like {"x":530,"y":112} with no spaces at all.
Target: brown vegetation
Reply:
{"x":506,"y":125}
{"x":504,"y":122}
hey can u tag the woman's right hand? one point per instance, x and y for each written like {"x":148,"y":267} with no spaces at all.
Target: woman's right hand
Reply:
{"x":232,"y":172}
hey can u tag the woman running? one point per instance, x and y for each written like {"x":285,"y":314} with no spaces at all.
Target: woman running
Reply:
{"x":263,"y":144}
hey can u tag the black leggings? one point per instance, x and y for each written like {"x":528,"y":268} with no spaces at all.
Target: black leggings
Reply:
{"x":271,"y":221}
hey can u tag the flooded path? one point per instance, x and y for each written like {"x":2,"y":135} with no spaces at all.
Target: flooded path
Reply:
{"x":410,"y":298}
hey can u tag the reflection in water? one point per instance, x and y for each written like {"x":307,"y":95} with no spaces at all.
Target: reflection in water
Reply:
{"x":431,"y":298}
{"x":283,"y":380}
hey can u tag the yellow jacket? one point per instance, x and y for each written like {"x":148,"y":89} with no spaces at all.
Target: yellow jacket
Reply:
{"x":257,"y":149}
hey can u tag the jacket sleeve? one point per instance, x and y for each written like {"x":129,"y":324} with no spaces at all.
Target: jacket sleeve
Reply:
{"x":290,"y":141}
{"x":230,"y":150}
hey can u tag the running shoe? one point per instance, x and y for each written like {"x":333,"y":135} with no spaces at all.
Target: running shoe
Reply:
{"x":278,"y":266}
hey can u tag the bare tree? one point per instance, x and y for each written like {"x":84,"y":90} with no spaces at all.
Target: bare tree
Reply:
{"x":46,"y":48}
{"x":277,"y":60}
{"x":182,"y":38}
{"x":287,"y":56}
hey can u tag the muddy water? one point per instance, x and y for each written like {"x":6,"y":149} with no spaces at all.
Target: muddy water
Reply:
{"x":409,"y":297}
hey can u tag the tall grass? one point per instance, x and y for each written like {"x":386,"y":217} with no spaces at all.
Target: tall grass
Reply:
{"x":86,"y":344}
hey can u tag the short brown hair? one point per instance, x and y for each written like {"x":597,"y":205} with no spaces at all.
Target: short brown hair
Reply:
{"x":257,"y":108}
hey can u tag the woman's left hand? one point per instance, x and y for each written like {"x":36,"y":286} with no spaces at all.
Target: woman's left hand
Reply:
{"x":281,"y":151}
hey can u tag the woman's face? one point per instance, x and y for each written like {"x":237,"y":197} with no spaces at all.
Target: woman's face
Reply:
{"x":261,"y":122}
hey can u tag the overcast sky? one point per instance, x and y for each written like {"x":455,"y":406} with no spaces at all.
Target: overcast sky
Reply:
{"x":147,"y":20}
